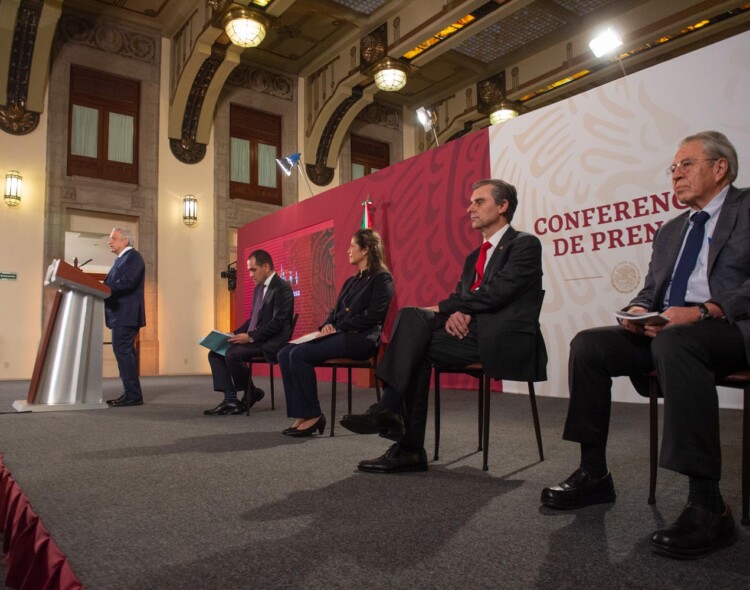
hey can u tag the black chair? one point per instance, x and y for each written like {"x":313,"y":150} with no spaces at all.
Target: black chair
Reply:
{"x":739,"y":380}
{"x":348,"y":364}
{"x":260,"y":359}
{"x":483,"y":414}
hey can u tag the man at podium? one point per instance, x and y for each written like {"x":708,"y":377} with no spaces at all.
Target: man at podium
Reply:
{"x":125,"y":313}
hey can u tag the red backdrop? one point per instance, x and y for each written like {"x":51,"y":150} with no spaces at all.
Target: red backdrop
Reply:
{"x":419,"y":208}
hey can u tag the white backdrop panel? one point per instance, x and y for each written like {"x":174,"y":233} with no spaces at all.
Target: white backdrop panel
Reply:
{"x":591,"y":183}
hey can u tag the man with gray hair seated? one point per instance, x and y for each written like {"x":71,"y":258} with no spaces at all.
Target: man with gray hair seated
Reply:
{"x":699,"y":278}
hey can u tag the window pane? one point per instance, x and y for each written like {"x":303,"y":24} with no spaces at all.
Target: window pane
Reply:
{"x":240,"y":157}
{"x":358,"y":171}
{"x":267,"y":165}
{"x":374,"y":170}
{"x":84,"y":131}
{"x":120,"y":144}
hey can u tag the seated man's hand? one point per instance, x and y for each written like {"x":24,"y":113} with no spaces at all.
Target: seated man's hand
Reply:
{"x":241,"y":338}
{"x":633,"y":327}
{"x":458,"y":324}
{"x":328,"y":329}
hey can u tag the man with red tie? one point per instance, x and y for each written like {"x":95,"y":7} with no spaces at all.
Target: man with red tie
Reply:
{"x":266,"y":332}
{"x":492,"y":317}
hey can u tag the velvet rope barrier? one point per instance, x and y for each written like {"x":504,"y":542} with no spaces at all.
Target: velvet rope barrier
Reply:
{"x":33,"y":561}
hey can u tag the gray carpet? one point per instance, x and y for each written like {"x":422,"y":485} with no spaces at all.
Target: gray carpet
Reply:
{"x":162,"y":497}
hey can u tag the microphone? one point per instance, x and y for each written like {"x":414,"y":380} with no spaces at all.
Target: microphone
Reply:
{"x":85,"y":263}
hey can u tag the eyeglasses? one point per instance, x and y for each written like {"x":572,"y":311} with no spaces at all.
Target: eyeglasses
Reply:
{"x":686,"y":164}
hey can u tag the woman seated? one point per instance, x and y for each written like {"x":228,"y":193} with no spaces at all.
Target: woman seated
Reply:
{"x":354,"y":327}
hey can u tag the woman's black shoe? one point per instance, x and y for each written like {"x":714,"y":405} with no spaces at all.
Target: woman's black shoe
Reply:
{"x":320,"y":426}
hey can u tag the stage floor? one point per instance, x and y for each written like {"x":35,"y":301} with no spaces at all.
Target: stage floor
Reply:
{"x":160,"y":496}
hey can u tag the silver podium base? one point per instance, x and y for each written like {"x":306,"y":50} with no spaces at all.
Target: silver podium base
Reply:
{"x":21,"y":405}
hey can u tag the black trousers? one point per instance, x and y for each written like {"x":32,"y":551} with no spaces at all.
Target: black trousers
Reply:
{"x":230,"y":372}
{"x":123,"y":345}
{"x":686,"y":358}
{"x":420,"y":341}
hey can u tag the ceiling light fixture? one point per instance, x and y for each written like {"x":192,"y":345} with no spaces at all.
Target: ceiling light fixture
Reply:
{"x":245,"y":28}
{"x":390,"y":74}
{"x":504,"y":111}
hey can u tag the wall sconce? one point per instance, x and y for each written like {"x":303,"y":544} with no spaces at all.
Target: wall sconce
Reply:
{"x":13,"y":185}
{"x":428,"y":120}
{"x":287,"y":164}
{"x":390,"y":74}
{"x":245,"y":28}
{"x":504,"y":111}
{"x":189,"y":210}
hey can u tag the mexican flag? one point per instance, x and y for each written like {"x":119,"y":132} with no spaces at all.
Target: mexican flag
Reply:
{"x":366,"y":215}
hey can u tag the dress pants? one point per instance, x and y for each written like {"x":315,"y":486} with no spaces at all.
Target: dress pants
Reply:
{"x":123,"y":345}
{"x":230,"y":372}
{"x":297,"y":362}
{"x":686,"y":357}
{"x":420,"y":341}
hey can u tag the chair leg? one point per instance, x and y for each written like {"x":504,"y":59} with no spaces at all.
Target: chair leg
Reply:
{"x":273,"y":393}
{"x":535,"y":415}
{"x":333,"y":398}
{"x":486,"y":425}
{"x":437,"y":414}
{"x":480,"y":412}
{"x":653,"y":420}
{"x":746,"y":457}
{"x":249,"y":380}
{"x":349,"y":390}
{"x":377,"y":381}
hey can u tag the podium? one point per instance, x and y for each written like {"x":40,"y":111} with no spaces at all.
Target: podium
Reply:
{"x":68,"y":369}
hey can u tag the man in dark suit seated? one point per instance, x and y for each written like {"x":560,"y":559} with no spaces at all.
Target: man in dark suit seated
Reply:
{"x":125,"y":313}
{"x":492,"y":317}
{"x":699,"y":277}
{"x":266,"y":332}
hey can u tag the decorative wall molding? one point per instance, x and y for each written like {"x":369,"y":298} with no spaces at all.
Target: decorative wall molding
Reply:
{"x":276,"y":85}
{"x":381,"y":114}
{"x":14,"y":118}
{"x":108,"y":37}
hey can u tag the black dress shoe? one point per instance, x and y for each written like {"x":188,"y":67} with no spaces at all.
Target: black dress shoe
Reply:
{"x":320,"y":426}
{"x":396,"y":460}
{"x":580,"y":489}
{"x":257,"y":395}
{"x":697,"y":532}
{"x":223,"y":409}
{"x":378,"y":419}
{"x":126,"y":402}
{"x":116,"y":400}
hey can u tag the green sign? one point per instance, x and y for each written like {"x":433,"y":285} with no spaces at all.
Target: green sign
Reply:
{"x":8,"y":276}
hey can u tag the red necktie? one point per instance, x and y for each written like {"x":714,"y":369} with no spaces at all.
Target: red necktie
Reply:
{"x":480,"y":264}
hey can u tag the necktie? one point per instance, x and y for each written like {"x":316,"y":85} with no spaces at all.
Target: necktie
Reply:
{"x":687,"y":260}
{"x":257,"y":304}
{"x":481,"y":260}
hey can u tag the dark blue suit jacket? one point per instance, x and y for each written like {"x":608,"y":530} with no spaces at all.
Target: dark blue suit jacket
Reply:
{"x":125,"y":306}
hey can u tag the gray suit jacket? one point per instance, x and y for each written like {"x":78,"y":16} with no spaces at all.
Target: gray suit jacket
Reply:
{"x":506,"y":306}
{"x":728,"y":262}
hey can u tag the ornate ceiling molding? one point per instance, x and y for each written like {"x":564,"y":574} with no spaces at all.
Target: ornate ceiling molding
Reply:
{"x":191,"y":112}
{"x":22,"y":93}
